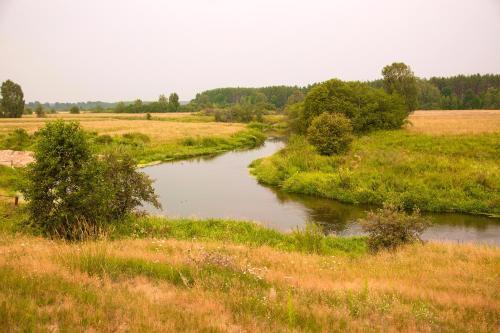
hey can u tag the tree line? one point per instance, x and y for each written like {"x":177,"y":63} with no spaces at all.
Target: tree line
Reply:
{"x":460,"y":92}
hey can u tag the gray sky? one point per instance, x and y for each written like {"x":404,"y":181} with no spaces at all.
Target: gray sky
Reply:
{"x":61,"y":50}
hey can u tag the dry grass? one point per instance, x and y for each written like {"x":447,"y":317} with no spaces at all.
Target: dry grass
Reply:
{"x":119,"y":286}
{"x":455,"y":121}
{"x":117,"y":124}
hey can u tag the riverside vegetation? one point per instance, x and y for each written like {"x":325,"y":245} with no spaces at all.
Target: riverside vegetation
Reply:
{"x":384,"y":164}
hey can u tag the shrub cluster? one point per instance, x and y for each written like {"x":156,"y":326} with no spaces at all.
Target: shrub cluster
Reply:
{"x":72,"y":193}
{"x":330,"y":133}
{"x":368,"y":108}
{"x":390,"y":227}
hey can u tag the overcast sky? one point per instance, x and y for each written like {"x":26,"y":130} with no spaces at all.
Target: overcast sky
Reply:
{"x":60,"y":50}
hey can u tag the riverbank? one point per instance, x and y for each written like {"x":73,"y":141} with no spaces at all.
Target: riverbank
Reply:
{"x":437,"y":173}
{"x":235,"y":276}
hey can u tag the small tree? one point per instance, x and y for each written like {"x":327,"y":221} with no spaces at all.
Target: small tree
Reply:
{"x":12,"y":103}
{"x":173,"y":102}
{"x":391,"y":227}
{"x":71,"y":193}
{"x":330,"y":133}
{"x":74,"y":109}
{"x":39,"y":111}
{"x":399,"y":78}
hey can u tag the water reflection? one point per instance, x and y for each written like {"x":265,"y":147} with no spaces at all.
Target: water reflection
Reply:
{"x":220,"y":186}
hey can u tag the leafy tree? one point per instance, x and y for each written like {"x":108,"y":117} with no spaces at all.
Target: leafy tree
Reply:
{"x":173,"y":102}
{"x":428,"y":95}
{"x":120,"y":107}
{"x":12,"y":103}
{"x":39,"y":111}
{"x":399,"y":78}
{"x":73,"y":194}
{"x":74,"y":110}
{"x":296,"y":97}
{"x":129,"y":188}
{"x":330,"y":133}
{"x":368,"y":108}
{"x":296,"y":118}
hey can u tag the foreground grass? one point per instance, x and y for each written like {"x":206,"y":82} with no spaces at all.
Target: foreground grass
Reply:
{"x":309,"y":240}
{"x":217,"y":286}
{"x":157,"y":274}
{"x":452,"y":173}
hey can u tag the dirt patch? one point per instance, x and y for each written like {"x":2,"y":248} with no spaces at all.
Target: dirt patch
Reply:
{"x":14,"y":158}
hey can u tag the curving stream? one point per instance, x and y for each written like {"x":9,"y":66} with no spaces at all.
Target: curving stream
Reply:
{"x":221,"y":187}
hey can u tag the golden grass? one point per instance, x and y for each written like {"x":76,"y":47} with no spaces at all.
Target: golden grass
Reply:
{"x":455,"y":121}
{"x":433,"y":287}
{"x":115,"y":124}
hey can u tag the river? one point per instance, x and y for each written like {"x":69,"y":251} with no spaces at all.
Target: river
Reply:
{"x":221,"y":187}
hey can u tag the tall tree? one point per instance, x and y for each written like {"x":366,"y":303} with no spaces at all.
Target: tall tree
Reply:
{"x":173,"y":101}
{"x":12,"y":105}
{"x":399,"y":78}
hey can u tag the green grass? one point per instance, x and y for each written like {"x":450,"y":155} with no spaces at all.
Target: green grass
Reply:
{"x":99,"y":263}
{"x":146,"y":152}
{"x":309,"y":240}
{"x":10,"y":180}
{"x":453,"y":173}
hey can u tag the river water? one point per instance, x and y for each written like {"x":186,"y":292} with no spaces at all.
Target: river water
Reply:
{"x":221,"y":187}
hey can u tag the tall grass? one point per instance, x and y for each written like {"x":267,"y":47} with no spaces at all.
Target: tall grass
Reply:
{"x":454,"y":173}
{"x":308,"y":240}
{"x":133,"y":285}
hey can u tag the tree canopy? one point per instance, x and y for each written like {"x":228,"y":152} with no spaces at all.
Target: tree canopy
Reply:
{"x":368,"y":108}
{"x":399,"y":78}
{"x":12,"y":103}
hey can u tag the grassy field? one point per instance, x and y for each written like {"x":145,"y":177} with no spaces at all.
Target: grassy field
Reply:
{"x":162,"y":128}
{"x":217,"y":276}
{"x":454,"y":121}
{"x":427,"y":166}
{"x":165,"y":137}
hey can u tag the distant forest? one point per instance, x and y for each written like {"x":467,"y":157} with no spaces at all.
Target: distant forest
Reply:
{"x":459,"y":92}
{"x":88,"y":106}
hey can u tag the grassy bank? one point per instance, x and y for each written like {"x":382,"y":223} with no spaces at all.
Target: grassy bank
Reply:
{"x":146,"y":151}
{"x":454,"y":173}
{"x":193,"y":281}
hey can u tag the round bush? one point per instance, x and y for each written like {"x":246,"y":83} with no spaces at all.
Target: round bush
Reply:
{"x":330,"y":133}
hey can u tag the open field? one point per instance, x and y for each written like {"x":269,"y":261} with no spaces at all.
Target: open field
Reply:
{"x":118,"y":124}
{"x":455,"y":121}
{"x":167,"y":285}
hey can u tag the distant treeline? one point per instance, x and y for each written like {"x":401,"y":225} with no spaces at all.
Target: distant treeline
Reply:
{"x":273,"y":97}
{"x":457,"y":92}
{"x":461,"y":92}
{"x":87,"y":106}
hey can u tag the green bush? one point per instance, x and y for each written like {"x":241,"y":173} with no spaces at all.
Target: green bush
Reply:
{"x":39,"y":111}
{"x":330,"y":133}
{"x":19,"y":139}
{"x":74,"y":110}
{"x":390,"y":227}
{"x":74,"y":195}
{"x":368,"y":108}
{"x":104,"y":139}
{"x":136,"y":137}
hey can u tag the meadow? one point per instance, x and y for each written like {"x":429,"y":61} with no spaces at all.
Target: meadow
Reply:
{"x":165,"y":137}
{"x":229,"y":276}
{"x":429,"y":164}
